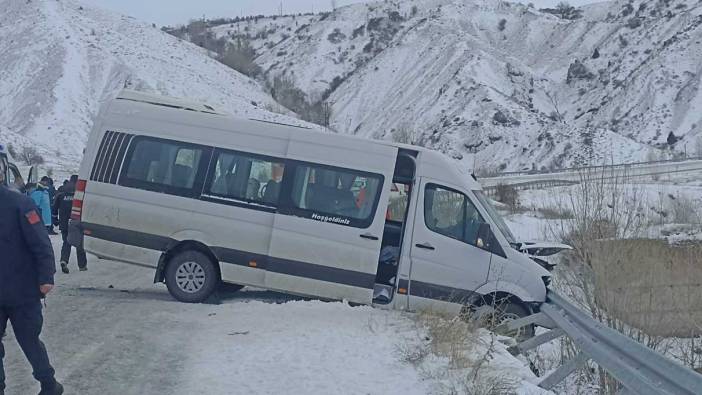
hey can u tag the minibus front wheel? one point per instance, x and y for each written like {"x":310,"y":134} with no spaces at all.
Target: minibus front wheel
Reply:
{"x":497,"y":309}
{"x":191,"y":276}
{"x":510,"y":311}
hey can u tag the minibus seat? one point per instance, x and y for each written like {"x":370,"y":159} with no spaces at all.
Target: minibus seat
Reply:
{"x":270,"y":195}
{"x":181,"y":175}
{"x":387,"y":265}
{"x":332,"y":200}
{"x":219,"y":186}
{"x":230,"y":181}
{"x":346,"y":203}
{"x":252,"y":189}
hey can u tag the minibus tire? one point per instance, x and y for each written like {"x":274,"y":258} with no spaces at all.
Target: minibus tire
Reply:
{"x":191,"y":277}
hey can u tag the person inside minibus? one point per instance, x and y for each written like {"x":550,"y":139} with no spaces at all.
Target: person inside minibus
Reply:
{"x":272,"y":188}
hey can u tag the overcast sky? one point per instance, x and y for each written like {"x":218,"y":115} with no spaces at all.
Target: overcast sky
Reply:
{"x":170,"y":12}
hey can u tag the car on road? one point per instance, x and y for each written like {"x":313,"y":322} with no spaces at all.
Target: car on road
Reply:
{"x":203,"y":198}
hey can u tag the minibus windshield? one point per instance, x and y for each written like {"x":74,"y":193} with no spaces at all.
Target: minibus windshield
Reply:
{"x":495,"y":216}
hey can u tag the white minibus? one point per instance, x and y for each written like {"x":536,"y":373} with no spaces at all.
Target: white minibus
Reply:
{"x":203,"y":198}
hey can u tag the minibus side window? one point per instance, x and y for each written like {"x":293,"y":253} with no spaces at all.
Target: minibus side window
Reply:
{"x":341,"y":196}
{"x":240,"y":177}
{"x":451,"y":214}
{"x":161,"y":165}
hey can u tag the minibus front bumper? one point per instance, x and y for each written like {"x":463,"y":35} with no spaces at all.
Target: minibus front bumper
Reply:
{"x":75,"y":234}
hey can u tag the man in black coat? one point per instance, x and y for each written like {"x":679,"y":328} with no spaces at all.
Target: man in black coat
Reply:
{"x":27,"y":270}
{"x":63,"y":204}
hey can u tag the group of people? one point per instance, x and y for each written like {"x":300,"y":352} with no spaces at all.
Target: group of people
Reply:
{"x":28,"y":266}
{"x":55,"y":210}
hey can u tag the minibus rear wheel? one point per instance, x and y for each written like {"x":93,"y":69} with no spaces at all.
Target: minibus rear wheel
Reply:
{"x":191,"y":277}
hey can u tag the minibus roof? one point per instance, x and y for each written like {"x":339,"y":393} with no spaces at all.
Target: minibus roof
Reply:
{"x":166,"y":109}
{"x":167,"y":102}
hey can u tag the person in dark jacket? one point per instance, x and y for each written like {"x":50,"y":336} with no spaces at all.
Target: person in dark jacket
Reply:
{"x":55,"y":204}
{"x":26,"y":275}
{"x":52,"y":197}
{"x":63,"y":204}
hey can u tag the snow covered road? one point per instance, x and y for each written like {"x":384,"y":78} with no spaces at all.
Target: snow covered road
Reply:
{"x":111,"y":331}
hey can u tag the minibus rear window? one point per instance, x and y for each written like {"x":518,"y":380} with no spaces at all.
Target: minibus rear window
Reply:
{"x":155,"y":164}
{"x":342,"y":196}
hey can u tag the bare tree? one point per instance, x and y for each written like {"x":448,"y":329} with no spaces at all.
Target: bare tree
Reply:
{"x":240,"y":56}
{"x":404,"y":134}
{"x":605,"y":208}
{"x":566,"y":11}
{"x":552,"y":96}
{"x":508,"y":195}
{"x":30,"y":156}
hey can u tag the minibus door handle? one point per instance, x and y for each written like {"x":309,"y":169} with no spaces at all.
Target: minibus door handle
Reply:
{"x":425,"y":246}
{"x":369,"y":236}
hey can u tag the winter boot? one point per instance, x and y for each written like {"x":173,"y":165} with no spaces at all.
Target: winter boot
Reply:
{"x":64,"y":267}
{"x":53,"y":388}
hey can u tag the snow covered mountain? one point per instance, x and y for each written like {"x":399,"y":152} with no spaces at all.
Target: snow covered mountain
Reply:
{"x":61,"y":59}
{"x":517,"y":87}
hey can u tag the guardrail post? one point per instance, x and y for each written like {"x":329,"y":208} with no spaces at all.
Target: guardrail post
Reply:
{"x":536,"y":341}
{"x":563,"y":371}
{"x":539,"y":319}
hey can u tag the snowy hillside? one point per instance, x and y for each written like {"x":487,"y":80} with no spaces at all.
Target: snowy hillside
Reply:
{"x":519,"y":87}
{"x":61,"y":59}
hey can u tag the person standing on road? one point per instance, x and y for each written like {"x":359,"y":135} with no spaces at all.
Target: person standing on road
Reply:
{"x":52,"y":195}
{"x":26,"y":275}
{"x":64,"y":202}
{"x":40,"y":196}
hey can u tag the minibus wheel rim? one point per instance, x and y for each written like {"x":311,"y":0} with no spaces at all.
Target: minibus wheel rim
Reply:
{"x":507,"y":317}
{"x":190,"y":277}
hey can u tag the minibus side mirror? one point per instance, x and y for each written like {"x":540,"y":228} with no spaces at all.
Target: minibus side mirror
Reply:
{"x":484,"y":235}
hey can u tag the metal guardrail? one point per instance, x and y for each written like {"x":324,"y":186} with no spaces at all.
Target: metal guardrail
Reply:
{"x":597,"y":167}
{"x":611,"y":172}
{"x":639,"y":369}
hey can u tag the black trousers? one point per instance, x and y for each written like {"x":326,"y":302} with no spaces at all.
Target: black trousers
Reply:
{"x":66,"y":251}
{"x":26,"y":321}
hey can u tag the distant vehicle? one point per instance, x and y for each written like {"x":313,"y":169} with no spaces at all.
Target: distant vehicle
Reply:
{"x":13,"y":177}
{"x":203,"y":197}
